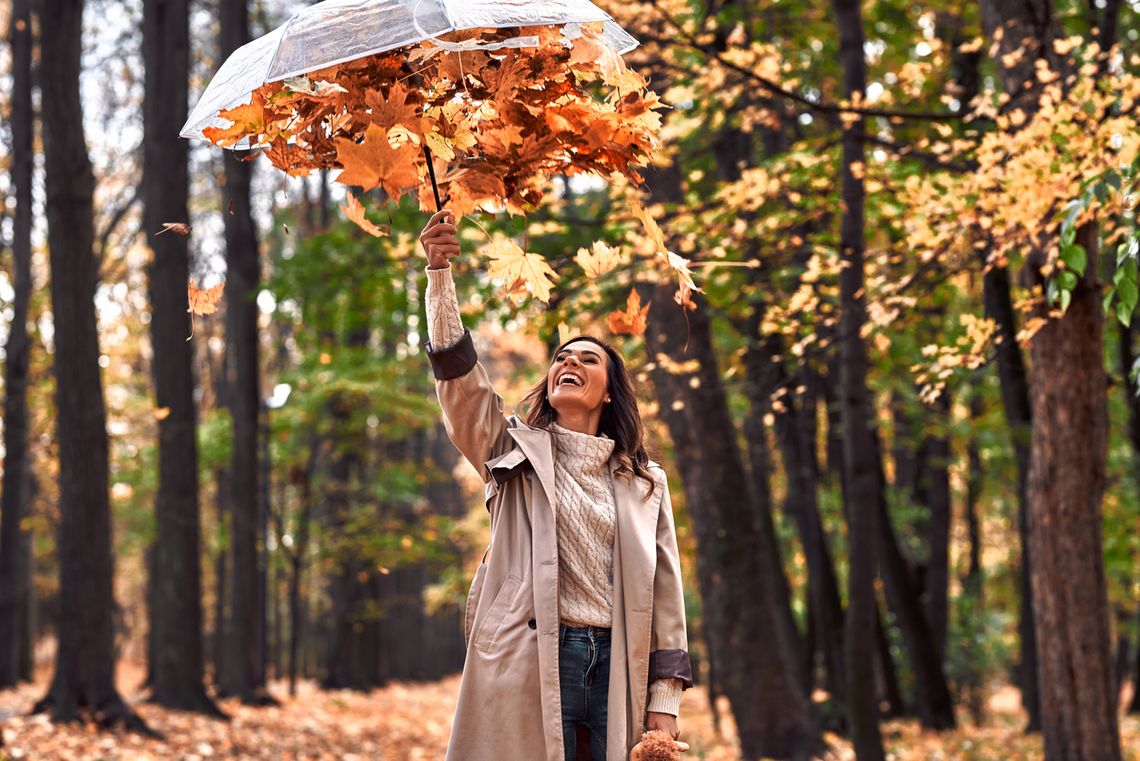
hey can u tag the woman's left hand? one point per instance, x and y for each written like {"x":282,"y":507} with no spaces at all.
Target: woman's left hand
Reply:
{"x":663,"y":721}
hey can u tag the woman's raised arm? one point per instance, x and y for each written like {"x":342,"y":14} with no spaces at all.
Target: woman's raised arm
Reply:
{"x":472,"y":411}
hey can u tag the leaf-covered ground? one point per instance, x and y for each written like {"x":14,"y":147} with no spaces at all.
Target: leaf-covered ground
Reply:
{"x":412,"y":721}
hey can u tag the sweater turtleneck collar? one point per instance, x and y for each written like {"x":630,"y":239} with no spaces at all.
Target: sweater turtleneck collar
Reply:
{"x":590,"y":453}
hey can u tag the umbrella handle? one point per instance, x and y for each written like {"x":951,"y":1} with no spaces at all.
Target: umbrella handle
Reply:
{"x":431,"y":173}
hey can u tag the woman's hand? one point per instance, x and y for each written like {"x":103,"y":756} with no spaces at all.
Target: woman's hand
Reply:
{"x":439,"y":239}
{"x":664,"y":721}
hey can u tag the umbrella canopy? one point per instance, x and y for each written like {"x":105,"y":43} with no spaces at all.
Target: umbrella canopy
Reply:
{"x":337,"y":31}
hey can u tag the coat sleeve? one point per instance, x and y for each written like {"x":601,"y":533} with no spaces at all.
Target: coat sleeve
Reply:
{"x":669,"y":645}
{"x":472,"y":411}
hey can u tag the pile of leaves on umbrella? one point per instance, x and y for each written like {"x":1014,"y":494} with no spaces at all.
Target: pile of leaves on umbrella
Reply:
{"x":496,"y":122}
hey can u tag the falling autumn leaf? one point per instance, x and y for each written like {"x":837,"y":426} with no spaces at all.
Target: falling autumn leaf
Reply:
{"x":521,"y":271}
{"x":161,"y":413}
{"x":354,"y":211}
{"x":598,"y":259}
{"x":174,"y":227}
{"x":633,"y":320}
{"x":204,"y":300}
{"x":678,"y":264}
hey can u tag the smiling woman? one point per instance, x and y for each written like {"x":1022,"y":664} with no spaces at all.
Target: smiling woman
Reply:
{"x":576,"y":620}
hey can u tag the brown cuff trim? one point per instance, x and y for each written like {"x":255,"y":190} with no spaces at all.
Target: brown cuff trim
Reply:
{"x":455,"y":361}
{"x":671,"y":664}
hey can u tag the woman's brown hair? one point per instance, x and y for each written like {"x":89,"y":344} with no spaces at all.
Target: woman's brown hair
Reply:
{"x":621,"y":419}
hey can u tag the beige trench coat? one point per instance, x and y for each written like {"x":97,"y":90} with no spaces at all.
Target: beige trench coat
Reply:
{"x":509,"y":705}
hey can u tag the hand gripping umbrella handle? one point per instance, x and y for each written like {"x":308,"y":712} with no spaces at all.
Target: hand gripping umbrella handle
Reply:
{"x":431,"y":173}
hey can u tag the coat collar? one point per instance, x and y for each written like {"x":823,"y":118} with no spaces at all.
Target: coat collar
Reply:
{"x":538,"y":446}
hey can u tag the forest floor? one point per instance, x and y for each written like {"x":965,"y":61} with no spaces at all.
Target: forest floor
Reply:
{"x":407,"y":722}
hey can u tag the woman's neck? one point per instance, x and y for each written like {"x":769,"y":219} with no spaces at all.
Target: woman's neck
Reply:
{"x":580,"y":421}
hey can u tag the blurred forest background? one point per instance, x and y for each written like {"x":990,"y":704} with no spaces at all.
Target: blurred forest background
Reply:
{"x":907,"y":494}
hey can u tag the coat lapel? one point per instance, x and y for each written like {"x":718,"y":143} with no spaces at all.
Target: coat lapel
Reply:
{"x":637,"y":525}
{"x":539,"y":450}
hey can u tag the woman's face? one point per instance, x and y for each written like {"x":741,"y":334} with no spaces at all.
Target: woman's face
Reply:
{"x":578,"y":377}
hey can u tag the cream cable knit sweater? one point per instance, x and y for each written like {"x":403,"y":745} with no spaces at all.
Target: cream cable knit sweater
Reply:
{"x":586,"y":506}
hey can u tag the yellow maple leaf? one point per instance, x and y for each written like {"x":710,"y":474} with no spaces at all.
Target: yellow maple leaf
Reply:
{"x":678,"y":264}
{"x":598,"y":259}
{"x":522,"y":271}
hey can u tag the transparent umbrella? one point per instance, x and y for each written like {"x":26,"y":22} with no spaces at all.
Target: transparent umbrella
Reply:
{"x":336,"y":31}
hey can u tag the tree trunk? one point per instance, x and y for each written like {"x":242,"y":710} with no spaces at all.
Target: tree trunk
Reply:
{"x":750,"y":653}
{"x":758,"y":388}
{"x":862,"y":482}
{"x":1066,"y":485}
{"x":15,"y":571}
{"x":1066,"y":477}
{"x":85,"y":661}
{"x":245,"y":677}
{"x":176,"y":612}
{"x":1130,"y":387}
{"x":888,"y":674}
{"x":935,"y":706}
{"x":935,"y":485}
{"x":1014,"y":383}
{"x":794,"y":430}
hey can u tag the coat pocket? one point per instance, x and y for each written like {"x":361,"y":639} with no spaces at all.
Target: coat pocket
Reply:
{"x":473,"y":602}
{"x":496,"y":617}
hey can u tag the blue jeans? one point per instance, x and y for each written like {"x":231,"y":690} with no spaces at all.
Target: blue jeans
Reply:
{"x":584,"y":674}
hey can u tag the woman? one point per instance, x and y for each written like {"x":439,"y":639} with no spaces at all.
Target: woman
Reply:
{"x":576,"y":618}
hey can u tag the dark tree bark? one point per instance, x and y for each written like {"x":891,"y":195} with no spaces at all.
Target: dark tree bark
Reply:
{"x":973,"y":581}
{"x":1130,"y":387}
{"x":1014,"y":382}
{"x":297,"y":555}
{"x":934,"y":482}
{"x":85,"y":662}
{"x":15,"y":569}
{"x":1066,"y":485}
{"x":1069,"y":450}
{"x":176,"y":608}
{"x":751,"y":654}
{"x":932,"y":695}
{"x":795,"y":428}
{"x":888,"y":674}
{"x":244,"y":676}
{"x":862,"y":487}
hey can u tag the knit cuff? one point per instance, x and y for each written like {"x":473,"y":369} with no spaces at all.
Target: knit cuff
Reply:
{"x":665,"y":697}
{"x":445,"y":327}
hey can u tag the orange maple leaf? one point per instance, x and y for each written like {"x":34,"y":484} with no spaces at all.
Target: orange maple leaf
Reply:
{"x":354,"y":210}
{"x":203,"y":300}
{"x":248,"y":120}
{"x":469,"y":191}
{"x":375,"y":162}
{"x":290,"y":159}
{"x":393,"y":109}
{"x":633,"y":320}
